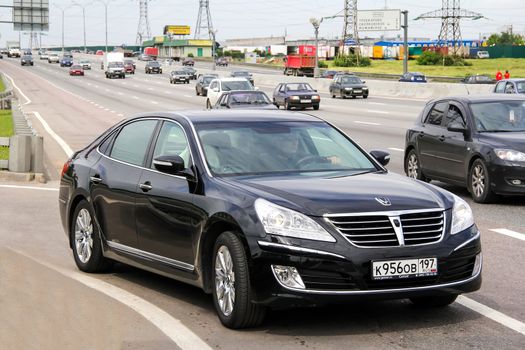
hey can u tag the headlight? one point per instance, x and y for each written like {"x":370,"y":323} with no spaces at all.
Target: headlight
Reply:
{"x":285,"y":222}
{"x":462,"y":217}
{"x":365,"y":88}
{"x":295,"y":98}
{"x":315,"y":97}
{"x":348,"y":89}
{"x":508,"y":154}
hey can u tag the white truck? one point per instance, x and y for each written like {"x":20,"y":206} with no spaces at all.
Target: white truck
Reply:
{"x":13,"y":49}
{"x":113,"y":63}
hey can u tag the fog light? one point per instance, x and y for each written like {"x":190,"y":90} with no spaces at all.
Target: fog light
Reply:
{"x":288,"y":276}
{"x":516,"y":182}
{"x":477,"y":264}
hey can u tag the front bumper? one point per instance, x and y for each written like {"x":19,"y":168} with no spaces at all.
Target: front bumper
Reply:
{"x":507,"y":178}
{"x":336,"y":275}
{"x":299,"y":104}
{"x":355,"y":92}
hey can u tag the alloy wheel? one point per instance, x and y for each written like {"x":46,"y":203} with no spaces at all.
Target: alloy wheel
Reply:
{"x":412,"y":166}
{"x":225,"y":281}
{"x":478,"y":180}
{"x":84,"y":235}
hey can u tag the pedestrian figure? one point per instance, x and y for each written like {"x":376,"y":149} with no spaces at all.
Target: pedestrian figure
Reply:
{"x":507,"y":74}
{"x":499,"y":76}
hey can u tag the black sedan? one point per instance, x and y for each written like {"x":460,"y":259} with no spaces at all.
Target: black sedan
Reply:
{"x":413,"y":77}
{"x":243,"y":74}
{"x":348,"y":86}
{"x":26,"y":60}
{"x":264,"y":208}
{"x":477,"y":79}
{"x":153,"y":67}
{"x":296,"y":95}
{"x":472,"y":141}
{"x":192,"y":72}
{"x":244,"y":99}
{"x":203,"y":82}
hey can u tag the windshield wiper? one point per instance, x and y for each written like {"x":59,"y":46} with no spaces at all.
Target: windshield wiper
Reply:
{"x":518,"y":130}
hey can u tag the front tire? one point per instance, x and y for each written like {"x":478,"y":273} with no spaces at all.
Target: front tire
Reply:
{"x":232,"y":292}
{"x":479,"y":183}
{"x":208,"y":104}
{"x":434,"y":301}
{"x":86,"y":240}
{"x":413,"y":166}
{"x":287,"y":105}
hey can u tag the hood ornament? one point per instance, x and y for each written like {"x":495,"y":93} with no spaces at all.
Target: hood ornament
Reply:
{"x":383,"y":201}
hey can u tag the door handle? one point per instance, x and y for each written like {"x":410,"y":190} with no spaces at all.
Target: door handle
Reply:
{"x":95,"y":179}
{"x":421,"y":134}
{"x":146,"y":186}
{"x":442,"y":138}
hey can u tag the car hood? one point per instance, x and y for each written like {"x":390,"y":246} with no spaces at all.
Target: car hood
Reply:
{"x":354,"y":86}
{"x":254,"y":106}
{"x":317,"y":196}
{"x":510,"y":140}
{"x":302,"y":93}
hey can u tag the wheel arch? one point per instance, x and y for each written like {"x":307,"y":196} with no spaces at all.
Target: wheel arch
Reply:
{"x":217,"y":225}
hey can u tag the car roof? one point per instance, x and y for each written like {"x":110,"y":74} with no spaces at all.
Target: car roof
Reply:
{"x":227,"y":116}
{"x":483,"y":98}
{"x":230,"y":79}
{"x":513,"y":80}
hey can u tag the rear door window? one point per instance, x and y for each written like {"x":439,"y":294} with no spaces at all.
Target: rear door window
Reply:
{"x":435,"y":117}
{"x":131,"y":144}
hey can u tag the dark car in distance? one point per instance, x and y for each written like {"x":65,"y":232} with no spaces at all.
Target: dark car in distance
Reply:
{"x":244,"y":99}
{"x":413,"y":77}
{"x":153,"y":67}
{"x":262,"y":209}
{"x":179,"y":76}
{"x":221,"y":61}
{"x":510,"y":86}
{"x":478,"y":79}
{"x":203,"y":82}
{"x":473,"y":141}
{"x":296,"y":95}
{"x":66,"y":61}
{"x":243,"y":74}
{"x":192,"y":72}
{"x":26,"y":60}
{"x":348,"y":86}
{"x":188,"y":61}
{"x":328,"y":74}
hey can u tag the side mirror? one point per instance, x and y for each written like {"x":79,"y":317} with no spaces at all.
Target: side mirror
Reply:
{"x":457,"y":127}
{"x":216,"y":89}
{"x":256,"y":88}
{"x":169,"y":164}
{"x":363,"y":81}
{"x":381,"y":156}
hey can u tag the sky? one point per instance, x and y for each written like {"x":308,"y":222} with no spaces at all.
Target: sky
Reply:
{"x":252,"y":18}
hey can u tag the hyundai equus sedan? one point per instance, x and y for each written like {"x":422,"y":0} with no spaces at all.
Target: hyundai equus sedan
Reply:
{"x":264,"y":209}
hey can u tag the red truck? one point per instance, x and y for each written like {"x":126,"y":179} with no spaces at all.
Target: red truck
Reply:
{"x":299,"y":65}
{"x":151,"y":51}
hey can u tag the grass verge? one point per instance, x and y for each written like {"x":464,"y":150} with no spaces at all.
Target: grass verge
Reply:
{"x":6,"y":130}
{"x":2,"y":86}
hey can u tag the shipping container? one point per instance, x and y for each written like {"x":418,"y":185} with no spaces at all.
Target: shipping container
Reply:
{"x":151,"y":51}
{"x":299,"y":65}
{"x":378,"y":52}
{"x":307,"y":50}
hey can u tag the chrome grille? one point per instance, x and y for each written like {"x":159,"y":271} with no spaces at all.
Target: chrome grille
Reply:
{"x":377,"y":230}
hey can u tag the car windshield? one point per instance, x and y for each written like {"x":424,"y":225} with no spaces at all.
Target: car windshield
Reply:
{"x":236,"y":85}
{"x":269,"y":148}
{"x":351,"y":80}
{"x":207,"y":80}
{"x":27,"y":57}
{"x":501,"y":116}
{"x":84,"y":61}
{"x":115,"y":64}
{"x":154,"y":64}
{"x":180,"y":72}
{"x":299,"y":87}
{"x":247,"y":98}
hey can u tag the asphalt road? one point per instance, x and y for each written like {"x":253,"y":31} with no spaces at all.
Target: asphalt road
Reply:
{"x":45,"y":303}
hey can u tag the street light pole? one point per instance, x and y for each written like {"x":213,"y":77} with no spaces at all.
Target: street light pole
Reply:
{"x":84,"y":20}
{"x":212,"y":33}
{"x":316,"y":23}
{"x":106,"y":3}
{"x":63,"y":9}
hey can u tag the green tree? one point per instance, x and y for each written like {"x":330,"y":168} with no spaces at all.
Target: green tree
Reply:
{"x":505,"y":38}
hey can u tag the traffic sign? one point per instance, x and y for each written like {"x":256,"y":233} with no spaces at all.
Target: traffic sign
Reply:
{"x":378,"y":20}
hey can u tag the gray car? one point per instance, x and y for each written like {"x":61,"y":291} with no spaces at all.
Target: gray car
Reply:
{"x":348,"y":86}
{"x":179,"y":76}
{"x":510,"y":86}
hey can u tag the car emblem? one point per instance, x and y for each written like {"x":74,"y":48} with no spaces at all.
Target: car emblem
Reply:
{"x":384,"y":201}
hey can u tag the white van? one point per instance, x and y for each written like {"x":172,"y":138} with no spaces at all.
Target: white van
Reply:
{"x":483,"y":54}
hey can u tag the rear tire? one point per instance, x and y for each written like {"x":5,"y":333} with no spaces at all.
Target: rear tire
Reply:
{"x":86,"y":240}
{"x":232,"y":292}
{"x":434,"y":301}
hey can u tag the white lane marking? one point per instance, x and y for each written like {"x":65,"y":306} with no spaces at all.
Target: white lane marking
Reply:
{"x":172,"y":327}
{"x":377,"y":103}
{"x":365,"y":123}
{"x":494,"y":315}
{"x":151,"y":89}
{"x":376,"y":111}
{"x":106,"y":109}
{"x":154,"y":102}
{"x":396,"y":149}
{"x":50,"y":131}
{"x":135,"y":97}
{"x":509,"y":233}
{"x":120,"y":115}
{"x":29,"y":187}
{"x":20,"y":91}
{"x":188,"y":96}
{"x":167,"y":92}
{"x":120,"y":93}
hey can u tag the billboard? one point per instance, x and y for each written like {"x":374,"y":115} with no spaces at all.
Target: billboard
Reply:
{"x":31,"y":15}
{"x":378,"y":20}
{"x":176,"y":30}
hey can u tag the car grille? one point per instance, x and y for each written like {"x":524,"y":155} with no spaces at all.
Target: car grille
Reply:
{"x":327,"y":280}
{"x":377,"y":231}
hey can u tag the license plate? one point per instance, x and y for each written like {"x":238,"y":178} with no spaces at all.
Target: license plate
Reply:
{"x":357,"y":91}
{"x":306,"y":101}
{"x":408,"y":268}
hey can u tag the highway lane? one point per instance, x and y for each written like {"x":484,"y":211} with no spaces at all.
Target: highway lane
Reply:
{"x":78,"y":121}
